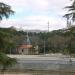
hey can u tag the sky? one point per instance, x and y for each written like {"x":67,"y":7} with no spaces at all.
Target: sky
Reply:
{"x":35,"y":14}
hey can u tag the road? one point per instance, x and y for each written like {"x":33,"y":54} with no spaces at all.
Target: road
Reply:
{"x":45,"y":62}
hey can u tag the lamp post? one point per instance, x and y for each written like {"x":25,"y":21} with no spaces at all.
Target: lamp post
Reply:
{"x":45,"y":40}
{"x":44,"y":46}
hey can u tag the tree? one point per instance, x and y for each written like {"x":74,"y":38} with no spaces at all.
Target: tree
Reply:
{"x":70,"y":18}
{"x":71,"y":12}
{"x":6,"y":62}
{"x":5,"y":11}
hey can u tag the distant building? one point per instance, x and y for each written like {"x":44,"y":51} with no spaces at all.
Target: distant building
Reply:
{"x":25,"y":46}
{"x":24,"y":49}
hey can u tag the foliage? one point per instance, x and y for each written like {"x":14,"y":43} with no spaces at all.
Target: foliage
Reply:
{"x":55,"y":41}
{"x":5,"y":11}
{"x":71,"y":12}
{"x":6,"y":61}
{"x":5,"y":41}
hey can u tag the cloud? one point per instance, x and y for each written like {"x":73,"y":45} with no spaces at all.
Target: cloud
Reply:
{"x":35,"y":22}
{"x":35,"y":14}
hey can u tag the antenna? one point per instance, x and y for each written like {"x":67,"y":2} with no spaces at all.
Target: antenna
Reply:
{"x":48,"y":26}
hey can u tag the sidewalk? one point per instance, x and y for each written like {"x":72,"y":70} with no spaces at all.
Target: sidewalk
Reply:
{"x":42,"y":57}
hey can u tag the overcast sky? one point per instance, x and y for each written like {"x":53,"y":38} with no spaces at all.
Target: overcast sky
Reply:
{"x":35,"y":14}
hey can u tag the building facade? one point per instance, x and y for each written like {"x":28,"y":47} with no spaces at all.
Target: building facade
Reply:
{"x":24,"y":49}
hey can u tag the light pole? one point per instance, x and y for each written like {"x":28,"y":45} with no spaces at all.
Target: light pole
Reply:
{"x":44,"y":46}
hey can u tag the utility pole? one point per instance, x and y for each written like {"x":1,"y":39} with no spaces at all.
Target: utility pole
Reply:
{"x":48,"y":30}
{"x":48,"y":26}
{"x":45,"y":40}
{"x":44,"y":46}
{"x":27,"y":38}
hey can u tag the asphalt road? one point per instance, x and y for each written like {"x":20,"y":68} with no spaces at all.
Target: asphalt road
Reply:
{"x":44,"y":62}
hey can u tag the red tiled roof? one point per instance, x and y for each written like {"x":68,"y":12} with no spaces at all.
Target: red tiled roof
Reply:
{"x":25,"y":46}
